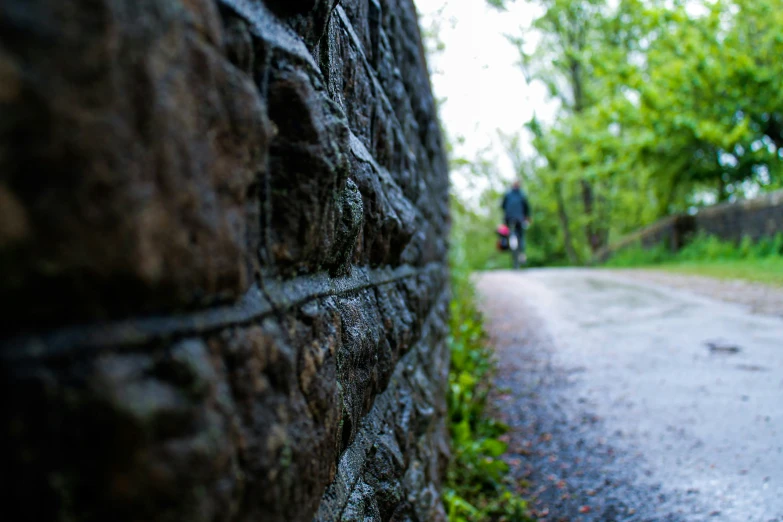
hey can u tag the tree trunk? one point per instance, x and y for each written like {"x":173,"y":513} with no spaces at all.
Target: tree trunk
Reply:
{"x":593,"y":236}
{"x":605,"y":218}
{"x":722,"y":194}
{"x":561,"y":212}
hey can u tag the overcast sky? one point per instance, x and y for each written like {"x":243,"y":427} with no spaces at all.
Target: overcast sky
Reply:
{"x":478,"y":75}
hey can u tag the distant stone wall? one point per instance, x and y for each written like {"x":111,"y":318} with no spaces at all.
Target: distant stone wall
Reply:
{"x":754,"y":218}
{"x":222,"y":243}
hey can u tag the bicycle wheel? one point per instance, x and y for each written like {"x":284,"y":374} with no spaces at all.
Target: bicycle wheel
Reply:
{"x":514,"y":244}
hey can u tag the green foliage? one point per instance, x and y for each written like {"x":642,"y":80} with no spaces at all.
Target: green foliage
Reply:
{"x":663,"y":106}
{"x":499,"y":4}
{"x":767,"y":270}
{"x":760,"y":261}
{"x":710,"y":247}
{"x":636,"y":255}
{"x":477,"y":488}
{"x":703,"y":247}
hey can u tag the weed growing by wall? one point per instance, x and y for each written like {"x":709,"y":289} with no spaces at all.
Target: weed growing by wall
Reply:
{"x":477,"y":487}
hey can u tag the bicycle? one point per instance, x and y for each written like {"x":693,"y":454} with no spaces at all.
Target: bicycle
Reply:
{"x":516,"y":242}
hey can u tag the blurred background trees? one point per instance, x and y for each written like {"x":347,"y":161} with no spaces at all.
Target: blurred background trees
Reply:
{"x":663,"y":106}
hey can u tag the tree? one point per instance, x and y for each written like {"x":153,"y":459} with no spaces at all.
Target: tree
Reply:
{"x":569,"y":32}
{"x":663,"y":105}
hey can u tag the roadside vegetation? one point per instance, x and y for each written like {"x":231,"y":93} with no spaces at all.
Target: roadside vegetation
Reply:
{"x":663,"y":107}
{"x":761,"y":261}
{"x":478,"y":487}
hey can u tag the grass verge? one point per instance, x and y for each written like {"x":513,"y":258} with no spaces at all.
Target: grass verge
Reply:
{"x":766,"y":271}
{"x":478,"y":488}
{"x":760,"y":261}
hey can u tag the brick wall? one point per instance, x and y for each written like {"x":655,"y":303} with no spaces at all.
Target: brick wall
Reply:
{"x":223,"y":239}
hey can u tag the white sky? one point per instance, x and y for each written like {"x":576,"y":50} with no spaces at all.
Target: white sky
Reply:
{"x":478,"y":75}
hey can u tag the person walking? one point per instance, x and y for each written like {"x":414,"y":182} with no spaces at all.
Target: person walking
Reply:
{"x":516,"y":215}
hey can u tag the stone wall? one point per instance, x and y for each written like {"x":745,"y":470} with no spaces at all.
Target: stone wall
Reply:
{"x":754,"y":218}
{"x":673,"y":232}
{"x":223,"y":239}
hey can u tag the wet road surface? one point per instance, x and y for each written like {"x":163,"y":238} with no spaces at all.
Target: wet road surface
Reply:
{"x":634,"y":401}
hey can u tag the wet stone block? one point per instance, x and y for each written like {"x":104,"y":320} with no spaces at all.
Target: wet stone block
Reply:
{"x":223,"y":230}
{"x":131,"y":148}
{"x":144,"y":435}
{"x":282,"y":380}
{"x":305,"y":193}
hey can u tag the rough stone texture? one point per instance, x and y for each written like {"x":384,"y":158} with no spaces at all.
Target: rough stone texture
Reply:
{"x":754,"y":218}
{"x":222,"y":238}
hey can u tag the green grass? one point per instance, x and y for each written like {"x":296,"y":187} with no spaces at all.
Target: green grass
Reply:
{"x":760,"y":261}
{"x":768,"y":271}
{"x":478,"y":487}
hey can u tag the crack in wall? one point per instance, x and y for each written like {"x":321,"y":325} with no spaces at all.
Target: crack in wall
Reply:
{"x":253,"y":306}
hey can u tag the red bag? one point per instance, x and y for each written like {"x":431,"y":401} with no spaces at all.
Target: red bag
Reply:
{"x":503,"y":232}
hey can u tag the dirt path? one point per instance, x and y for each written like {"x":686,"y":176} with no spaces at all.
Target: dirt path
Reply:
{"x":619,"y":408}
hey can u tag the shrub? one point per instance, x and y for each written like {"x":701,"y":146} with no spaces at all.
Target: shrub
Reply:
{"x":703,"y":247}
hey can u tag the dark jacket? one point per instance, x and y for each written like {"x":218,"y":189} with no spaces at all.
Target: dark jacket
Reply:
{"x":515,"y":206}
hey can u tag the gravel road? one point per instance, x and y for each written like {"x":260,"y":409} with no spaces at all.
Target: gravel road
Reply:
{"x":632,"y":400}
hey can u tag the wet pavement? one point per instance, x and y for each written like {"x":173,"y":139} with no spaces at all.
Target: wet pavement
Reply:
{"x":630,"y":400}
